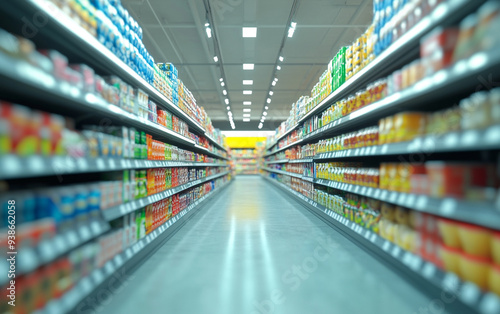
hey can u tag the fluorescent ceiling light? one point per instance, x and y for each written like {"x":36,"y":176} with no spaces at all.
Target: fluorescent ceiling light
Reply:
{"x":228,"y":108}
{"x":260,"y":126}
{"x":264,"y":113}
{"x":246,"y":115}
{"x":247,"y":92}
{"x":247,"y":103}
{"x":224,"y":92}
{"x":247,"y":110}
{"x":247,"y":82}
{"x":291,"y":30}
{"x":276,"y":79}
{"x":248,"y":66}
{"x":249,"y":32}
{"x":278,"y":68}
{"x":246,"y":120}
{"x":271,"y":93}
{"x":281,"y":59}
{"x":216,"y":59}
{"x":233,"y":127}
{"x":269,"y":100}
{"x":222,"y":84}
{"x":226,"y":101}
{"x":266,"y":107}
{"x":221,"y":79}
{"x":263,"y":118}
{"x":273,"y":83}
{"x":207,"y":24}
{"x":209,"y":31}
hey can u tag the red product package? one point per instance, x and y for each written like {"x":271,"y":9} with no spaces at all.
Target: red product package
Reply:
{"x":60,"y":63}
{"x":175,"y":124}
{"x":88,"y":74}
{"x":439,"y":39}
{"x":436,"y":49}
{"x":446,"y":179}
{"x":51,"y":134}
{"x":23,"y":130}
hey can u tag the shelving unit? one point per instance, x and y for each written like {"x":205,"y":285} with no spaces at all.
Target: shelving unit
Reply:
{"x":36,"y":89}
{"x":245,"y":161}
{"x":399,"y":53}
{"x":444,"y":88}
{"x":126,"y":208}
{"x":48,"y":250}
{"x":443,"y":83}
{"x":124,"y":262}
{"x":427,"y":275}
{"x":12,"y":166}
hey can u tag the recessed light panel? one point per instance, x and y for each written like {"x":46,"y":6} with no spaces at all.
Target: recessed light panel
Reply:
{"x":248,"y":66}
{"x":249,"y":32}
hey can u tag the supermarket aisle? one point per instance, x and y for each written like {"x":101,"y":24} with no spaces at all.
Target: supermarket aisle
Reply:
{"x":254,"y":251}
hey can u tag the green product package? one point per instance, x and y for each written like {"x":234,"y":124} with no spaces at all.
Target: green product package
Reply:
{"x":137,"y":185}
{"x":143,"y":223}
{"x":138,"y":224}
{"x":125,"y":186}
{"x":144,"y":146}
{"x":143,"y":191}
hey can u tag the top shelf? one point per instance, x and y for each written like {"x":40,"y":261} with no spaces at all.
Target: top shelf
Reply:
{"x":398,"y":54}
{"x":88,"y":48}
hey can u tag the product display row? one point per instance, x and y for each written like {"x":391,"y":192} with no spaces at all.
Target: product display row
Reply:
{"x":81,"y":80}
{"x":467,"y":250}
{"x":112,"y":25}
{"x":102,"y":150}
{"x":438,"y":50}
{"x":426,"y":232}
{"x":245,"y":161}
{"x":91,"y":263}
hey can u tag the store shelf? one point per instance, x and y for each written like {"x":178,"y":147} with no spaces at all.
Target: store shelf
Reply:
{"x":15,"y":167}
{"x":89,"y":49}
{"x":123,"y":209}
{"x":29,"y":79}
{"x":395,"y":56}
{"x":282,"y":136}
{"x":469,"y":140}
{"x":214,"y":142}
{"x":485,"y":214}
{"x":244,"y":157}
{"x":281,"y":161}
{"x":461,"y":76}
{"x":295,"y":175}
{"x":426,"y":275}
{"x":212,"y":154}
{"x":299,"y":161}
{"x":283,"y":148}
{"x":122,"y":263}
{"x":29,"y":259}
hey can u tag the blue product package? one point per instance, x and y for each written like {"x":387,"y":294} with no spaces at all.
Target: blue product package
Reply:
{"x":81,"y":203}
{"x":94,"y":200}
{"x":59,"y":204}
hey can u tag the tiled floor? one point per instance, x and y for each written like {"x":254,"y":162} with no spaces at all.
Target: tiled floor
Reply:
{"x":253,"y":250}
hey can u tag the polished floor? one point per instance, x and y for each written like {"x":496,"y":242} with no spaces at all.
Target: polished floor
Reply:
{"x":253,"y":250}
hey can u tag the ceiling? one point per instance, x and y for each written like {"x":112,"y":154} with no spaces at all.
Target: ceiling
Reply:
{"x":174,"y":32}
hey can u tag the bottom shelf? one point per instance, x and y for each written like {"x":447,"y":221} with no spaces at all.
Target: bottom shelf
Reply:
{"x":94,"y":289}
{"x":427,"y":276}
